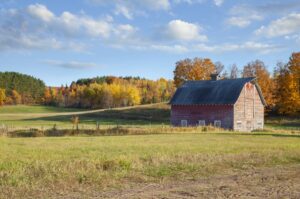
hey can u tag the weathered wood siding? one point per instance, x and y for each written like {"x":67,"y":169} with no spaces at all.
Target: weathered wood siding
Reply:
{"x":248,"y":110}
{"x":209,"y":113}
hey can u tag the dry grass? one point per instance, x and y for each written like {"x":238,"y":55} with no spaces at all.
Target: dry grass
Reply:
{"x":40,"y":167}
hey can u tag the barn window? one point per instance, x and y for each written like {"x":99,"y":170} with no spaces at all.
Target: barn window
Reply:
{"x":183,"y":122}
{"x":217,"y":123}
{"x":201,"y":122}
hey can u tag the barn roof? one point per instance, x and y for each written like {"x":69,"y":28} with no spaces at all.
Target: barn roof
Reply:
{"x":208,"y":92}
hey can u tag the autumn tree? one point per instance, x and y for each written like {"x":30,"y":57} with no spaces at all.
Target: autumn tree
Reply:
{"x":16,"y":97}
{"x":196,"y":69}
{"x":258,"y":69}
{"x":287,"y":78}
{"x":2,"y":96}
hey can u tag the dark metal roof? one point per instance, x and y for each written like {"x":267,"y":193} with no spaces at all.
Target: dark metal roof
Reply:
{"x":209,"y":92}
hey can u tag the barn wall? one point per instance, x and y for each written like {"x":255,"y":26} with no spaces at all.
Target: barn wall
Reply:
{"x":248,"y":110}
{"x":209,"y":113}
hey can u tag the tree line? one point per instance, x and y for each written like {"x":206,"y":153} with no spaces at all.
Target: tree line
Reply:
{"x":16,"y":88}
{"x":110,"y":91}
{"x":280,"y":88}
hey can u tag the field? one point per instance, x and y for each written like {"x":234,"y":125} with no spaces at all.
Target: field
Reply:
{"x":170,"y":163}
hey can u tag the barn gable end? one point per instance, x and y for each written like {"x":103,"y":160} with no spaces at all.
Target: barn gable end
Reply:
{"x":249,"y":109}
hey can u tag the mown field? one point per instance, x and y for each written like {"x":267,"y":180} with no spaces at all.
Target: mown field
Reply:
{"x":166,"y":163}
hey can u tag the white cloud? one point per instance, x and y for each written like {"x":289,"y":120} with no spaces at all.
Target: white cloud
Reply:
{"x":70,"y":64}
{"x":247,"y":46}
{"x":218,"y":2}
{"x":36,"y":27}
{"x":284,"y":26}
{"x":41,"y":12}
{"x":130,"y":8}
{"x":242,"y":16}
{"x":172,"y":49}
{"x":183,"y":31}
{"x":123,"y":10}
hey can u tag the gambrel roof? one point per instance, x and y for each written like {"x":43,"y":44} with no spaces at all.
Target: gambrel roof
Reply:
{"x":210,"y":92}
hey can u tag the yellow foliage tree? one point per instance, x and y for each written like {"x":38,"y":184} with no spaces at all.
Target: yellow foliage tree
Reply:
{"x":16,"y":97}
{"x":2,"y":96}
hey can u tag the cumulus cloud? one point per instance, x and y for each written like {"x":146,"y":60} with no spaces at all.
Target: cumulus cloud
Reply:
{"x":40,"y":11}
{"x":284,"y":26}
{"x":179,"y":30}
{"x":242,"y":16}
{"x":70,"y":64}
{"x":36,"y":27}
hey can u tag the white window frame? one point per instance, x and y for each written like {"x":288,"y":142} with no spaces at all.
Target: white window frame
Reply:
{"x":183,"y":123}
{"x":216,"y":123}
{"x":201,"y":122}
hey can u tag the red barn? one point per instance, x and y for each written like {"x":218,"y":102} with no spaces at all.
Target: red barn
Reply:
{"x":236,"y":104}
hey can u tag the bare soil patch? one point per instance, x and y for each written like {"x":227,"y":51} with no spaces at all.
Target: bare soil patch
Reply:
{"x":279,"y":182}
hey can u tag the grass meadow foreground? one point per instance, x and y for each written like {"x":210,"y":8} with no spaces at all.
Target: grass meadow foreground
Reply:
{"x":160,"y":162}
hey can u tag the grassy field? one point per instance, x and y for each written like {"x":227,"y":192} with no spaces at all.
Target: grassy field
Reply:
{"x":105,"y":166}
{"x":45,"y":117}
{"x":35,"y":109}
{"x":63,"y":165}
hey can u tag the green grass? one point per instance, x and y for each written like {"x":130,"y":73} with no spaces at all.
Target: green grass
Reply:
{"x":41,"y":167}
{"x":60,"y":165}
{"x":147,"y":115}
{"x":35,"y":109}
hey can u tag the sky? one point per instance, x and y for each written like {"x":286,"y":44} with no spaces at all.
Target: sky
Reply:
{"x":60,"y":41}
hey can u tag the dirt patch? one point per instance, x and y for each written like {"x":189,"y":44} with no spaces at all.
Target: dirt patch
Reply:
{"x":280,"y":182}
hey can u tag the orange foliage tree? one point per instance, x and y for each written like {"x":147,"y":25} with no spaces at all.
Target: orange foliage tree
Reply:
{"x":288,"y":86}
{"x":196,"y":69}
{"x":258,"y":69}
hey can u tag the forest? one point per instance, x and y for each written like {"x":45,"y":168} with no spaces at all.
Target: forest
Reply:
{"x":280,"y":87}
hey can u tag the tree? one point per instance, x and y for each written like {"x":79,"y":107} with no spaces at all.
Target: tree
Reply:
{"x":47,"y":96}
{"x":196,"y":69}
{"x":234,"y":71}
{"x":287,"y":78}
{"x":258,"y":69}
{"x":16,"y":97}
{"x":219,"y":67}
{"x":2,"y":96}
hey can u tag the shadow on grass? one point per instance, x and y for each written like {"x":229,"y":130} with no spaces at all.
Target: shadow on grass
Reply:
{"x":135,"y":116}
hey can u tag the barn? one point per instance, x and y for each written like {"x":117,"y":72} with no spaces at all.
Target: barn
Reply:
{"x":235,"y":104}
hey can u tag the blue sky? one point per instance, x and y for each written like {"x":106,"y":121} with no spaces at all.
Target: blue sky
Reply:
{"x":61,"y":41}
